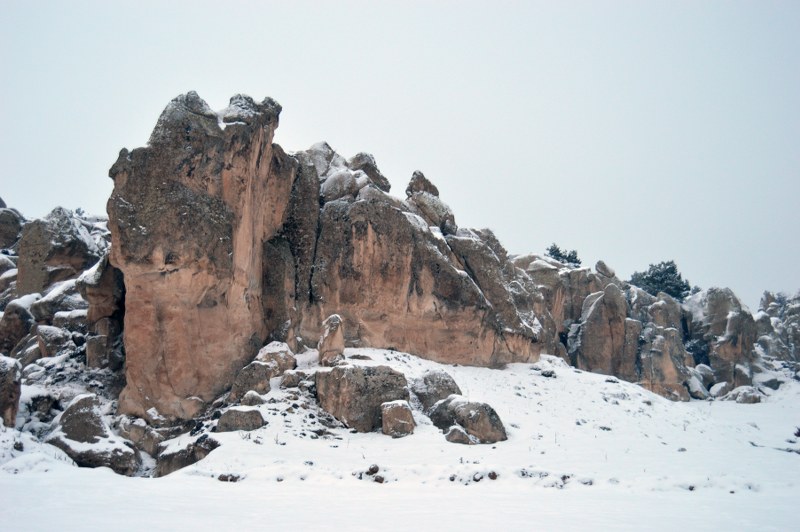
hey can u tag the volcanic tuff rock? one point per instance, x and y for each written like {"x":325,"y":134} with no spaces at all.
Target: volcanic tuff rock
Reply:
{"x":188,"y":216}
{"x":270,"y":244}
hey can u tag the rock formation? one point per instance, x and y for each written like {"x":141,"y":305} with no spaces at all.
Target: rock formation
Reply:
{"x":270,"y":244}
{"x":188,"y":216}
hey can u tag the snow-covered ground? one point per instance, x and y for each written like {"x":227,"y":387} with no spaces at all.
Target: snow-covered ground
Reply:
{"x":584,"y":450}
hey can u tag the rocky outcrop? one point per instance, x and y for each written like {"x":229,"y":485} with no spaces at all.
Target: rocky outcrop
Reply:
{"x":778,"y":326}
{"x":10,"y":389}
{"x":271,"y":244}
{"x":194,"y":305}
{"x":598,"y":342}
{"x":725,"y":333}
{"x":55,"y":248}
{"x":354,"y":394}
{"x":83,"y":434}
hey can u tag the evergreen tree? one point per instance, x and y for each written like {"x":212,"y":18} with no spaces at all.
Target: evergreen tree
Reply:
{"x":569,"y":258}
{"x":662,"y":277}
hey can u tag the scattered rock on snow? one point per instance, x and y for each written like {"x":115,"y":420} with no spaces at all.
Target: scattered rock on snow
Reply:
{"x":82,"y":433}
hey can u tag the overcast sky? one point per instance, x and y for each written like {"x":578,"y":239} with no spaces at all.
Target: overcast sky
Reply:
{"x":634,"y":132}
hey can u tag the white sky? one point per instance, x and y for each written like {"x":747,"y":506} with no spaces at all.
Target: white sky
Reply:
{"x":631,"y":131}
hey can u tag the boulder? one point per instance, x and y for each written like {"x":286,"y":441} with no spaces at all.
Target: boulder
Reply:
{"x":744,"y":395}
{"x":397,"y":419}
{"x":239,"y":418}
{"x":27,"y":350}
{"x":61,"y":297}
{"x":603,"y":269}
{"x":457,"y":434}
{"x":82,"y":433}
{"x":171,"y":460}
{"x":11,"y":223}
{"x":479,"y":420}
{"x":6,"y":264}
{"x":143,"y":436}
{"x":331,"y":344}
{"x":52,"y":340}
{"x":278,"y":356}
{"x":16,"y":322}
{"x":254,"y":376}
{"x":433,"y":386}
{"x":419,"y":183}
{"x":293,"y":378}
{"x":252,"y":398}
{"x":10,"y":389}
{"x":366,"y":163}
{"x":54,"y":249}
{"x":434,"y":211}
{"x":225,"y":192}
{"x":354,"y":394}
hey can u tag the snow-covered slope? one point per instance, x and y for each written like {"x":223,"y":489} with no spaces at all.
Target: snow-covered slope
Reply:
{"x":582,"y":450}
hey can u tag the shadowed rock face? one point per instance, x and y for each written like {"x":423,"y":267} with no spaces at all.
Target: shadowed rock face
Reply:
{"x":187,"y":216}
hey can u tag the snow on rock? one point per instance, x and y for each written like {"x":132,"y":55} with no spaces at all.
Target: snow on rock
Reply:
{"x":83,"y":433}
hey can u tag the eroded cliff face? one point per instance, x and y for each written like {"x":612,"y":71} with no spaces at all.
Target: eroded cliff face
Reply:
{"x":188,"y":217}
{"x":226,"y":242}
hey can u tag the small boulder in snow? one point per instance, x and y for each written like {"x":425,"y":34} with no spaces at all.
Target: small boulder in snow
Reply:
{"x":170,"y":461}
{"x":279,"y":356}
{"x":457,"y":434}
{"x":744,"y":395}
{"x":51,"y":340}
{"x":82,"y":433}
{"x":254,"y":376}
{"x":397,"y":419}
{"x":240,"y":419}
{"x":16,"y":322}
{"x":479,"y":420}
{"x":434,"y":386}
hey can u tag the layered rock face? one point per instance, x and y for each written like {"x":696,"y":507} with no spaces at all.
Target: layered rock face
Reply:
{"x":226,"y":242}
